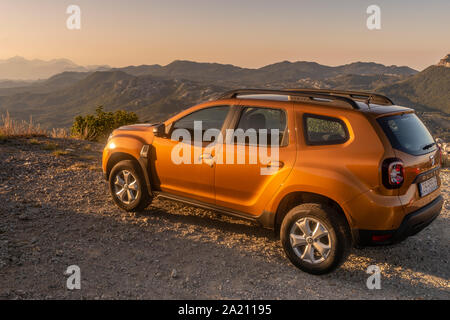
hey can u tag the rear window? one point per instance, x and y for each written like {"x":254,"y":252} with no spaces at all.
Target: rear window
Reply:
{"x":408,"y":134}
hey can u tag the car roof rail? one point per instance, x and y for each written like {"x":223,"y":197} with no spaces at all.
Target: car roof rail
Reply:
{"x":296,"y":95}
{"x":367,"y":97}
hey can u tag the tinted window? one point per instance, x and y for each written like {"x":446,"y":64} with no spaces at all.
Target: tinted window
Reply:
{"x":408,"y":134}
{"x":211,"y":118}
{"x":262,"y":118}
{"x":321,"y":130}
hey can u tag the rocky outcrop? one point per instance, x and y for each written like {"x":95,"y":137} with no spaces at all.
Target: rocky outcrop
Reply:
{"x":445,"y":62}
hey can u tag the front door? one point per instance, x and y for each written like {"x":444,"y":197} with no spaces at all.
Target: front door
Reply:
{"x":182,"y":166}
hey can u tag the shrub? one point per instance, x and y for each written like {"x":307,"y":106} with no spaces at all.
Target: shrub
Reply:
{"x":101,"y":124}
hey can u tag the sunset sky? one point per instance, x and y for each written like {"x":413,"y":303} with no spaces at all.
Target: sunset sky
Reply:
{"x":248,"y":33}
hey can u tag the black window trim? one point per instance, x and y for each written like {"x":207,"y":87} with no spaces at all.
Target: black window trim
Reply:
{"x":285,"y":141}
{"x":322,"y":117}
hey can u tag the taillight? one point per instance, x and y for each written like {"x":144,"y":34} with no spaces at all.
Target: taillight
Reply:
{"x":393,"y":173}
{"x":396,"y":173}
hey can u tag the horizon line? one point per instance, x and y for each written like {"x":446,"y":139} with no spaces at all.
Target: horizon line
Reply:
{"x":210,"y":62}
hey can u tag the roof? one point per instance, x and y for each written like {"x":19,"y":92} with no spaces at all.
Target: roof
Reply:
{"x":357,"y":100}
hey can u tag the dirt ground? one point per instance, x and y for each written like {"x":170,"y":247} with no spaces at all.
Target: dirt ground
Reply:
{"x":55,"y":211}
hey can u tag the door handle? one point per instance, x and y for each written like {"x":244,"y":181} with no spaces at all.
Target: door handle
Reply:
{"x":206,"y":156}
{"x":208,"y":159}
{"x":276,"y":164}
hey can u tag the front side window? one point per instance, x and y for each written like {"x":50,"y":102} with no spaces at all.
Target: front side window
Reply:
{"x":270,"y":121}
{"x":209,"y":118}
{"x":321,"y":130}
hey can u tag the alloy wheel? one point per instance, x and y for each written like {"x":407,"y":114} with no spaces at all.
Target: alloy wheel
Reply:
{"x":126,"y":187}
{"x":310,"y":240}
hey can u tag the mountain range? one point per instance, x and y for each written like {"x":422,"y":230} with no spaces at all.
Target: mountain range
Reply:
{"x":19,"y":68}
{"x":155,"y":92}
{"x":277,"y":73}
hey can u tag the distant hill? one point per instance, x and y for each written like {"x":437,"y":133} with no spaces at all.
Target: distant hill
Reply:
{"x":151,"y":98}
{"x":6,"y":84}
{"x":426,"y":91}
{"x":349,"y":82}
{"x":54,"y":83}
{"x":274,"y":74}
{"x":366,"y":68}
{"x":19,"y":68}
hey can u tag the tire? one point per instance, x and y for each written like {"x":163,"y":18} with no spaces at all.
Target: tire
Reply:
{"x":317,"y":252}
{"x":134,"y":195}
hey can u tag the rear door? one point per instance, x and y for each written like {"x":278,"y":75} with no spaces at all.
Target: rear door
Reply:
{"x":416,"y":148}
{"x":248,"y":169}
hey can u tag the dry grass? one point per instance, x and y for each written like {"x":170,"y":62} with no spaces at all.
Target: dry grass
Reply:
{"x":88,"y":134}
{"x":59,"y":133}
{"x":23,"y":129}
{"x":58,"y":153}
{"x":34,"y":141}
{"x":95,"y":168}
{"x":50,"y":146}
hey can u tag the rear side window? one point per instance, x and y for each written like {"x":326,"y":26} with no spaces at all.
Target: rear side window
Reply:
{"x":408,"y":134}
{"x":321,"y":130}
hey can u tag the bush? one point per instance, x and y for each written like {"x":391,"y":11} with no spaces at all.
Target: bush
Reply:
{"x":99,"y":126}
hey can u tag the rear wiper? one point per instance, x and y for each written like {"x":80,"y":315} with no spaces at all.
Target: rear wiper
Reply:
{"x":428,"y":146}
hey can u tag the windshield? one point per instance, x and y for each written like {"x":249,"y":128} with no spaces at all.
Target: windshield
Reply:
{"x":408,"y":134}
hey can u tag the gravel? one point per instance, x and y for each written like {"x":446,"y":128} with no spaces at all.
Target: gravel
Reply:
{"x":56,"y":212}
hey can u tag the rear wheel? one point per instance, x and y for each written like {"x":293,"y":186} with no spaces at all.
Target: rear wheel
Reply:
{"x":315,"y":238}
{"x":128,"y":187}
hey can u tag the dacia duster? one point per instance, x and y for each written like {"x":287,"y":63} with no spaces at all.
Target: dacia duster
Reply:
{"x":352,"y":168}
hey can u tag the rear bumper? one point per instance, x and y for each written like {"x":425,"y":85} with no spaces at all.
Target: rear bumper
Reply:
{"x":411,"y":225}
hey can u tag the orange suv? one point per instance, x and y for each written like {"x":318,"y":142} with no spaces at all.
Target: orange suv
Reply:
{"x":350,"y":168}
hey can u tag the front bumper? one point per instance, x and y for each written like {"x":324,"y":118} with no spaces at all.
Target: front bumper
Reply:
{"x":411,"y":225}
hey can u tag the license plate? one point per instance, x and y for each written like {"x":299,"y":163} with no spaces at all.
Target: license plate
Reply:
{"x":428,"y":186}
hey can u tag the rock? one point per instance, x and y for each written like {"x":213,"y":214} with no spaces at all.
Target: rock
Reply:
{"x":445,"y":62}
{"x":24,"y":217}
{"x":33,"y":210}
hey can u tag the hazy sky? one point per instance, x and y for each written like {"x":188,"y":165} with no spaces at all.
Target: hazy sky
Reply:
{"x":249,"y":33}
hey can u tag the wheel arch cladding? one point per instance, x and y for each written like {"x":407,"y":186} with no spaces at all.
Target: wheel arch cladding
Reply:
{"x":115,"y":158}
{"x":294,"y":199}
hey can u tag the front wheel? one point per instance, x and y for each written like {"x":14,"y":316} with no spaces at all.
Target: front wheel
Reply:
{"x":315,"y":238}
{"x":127,"y":187}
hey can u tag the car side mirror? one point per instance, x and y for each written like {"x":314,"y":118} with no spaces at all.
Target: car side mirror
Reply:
{"x":160,"y":130}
